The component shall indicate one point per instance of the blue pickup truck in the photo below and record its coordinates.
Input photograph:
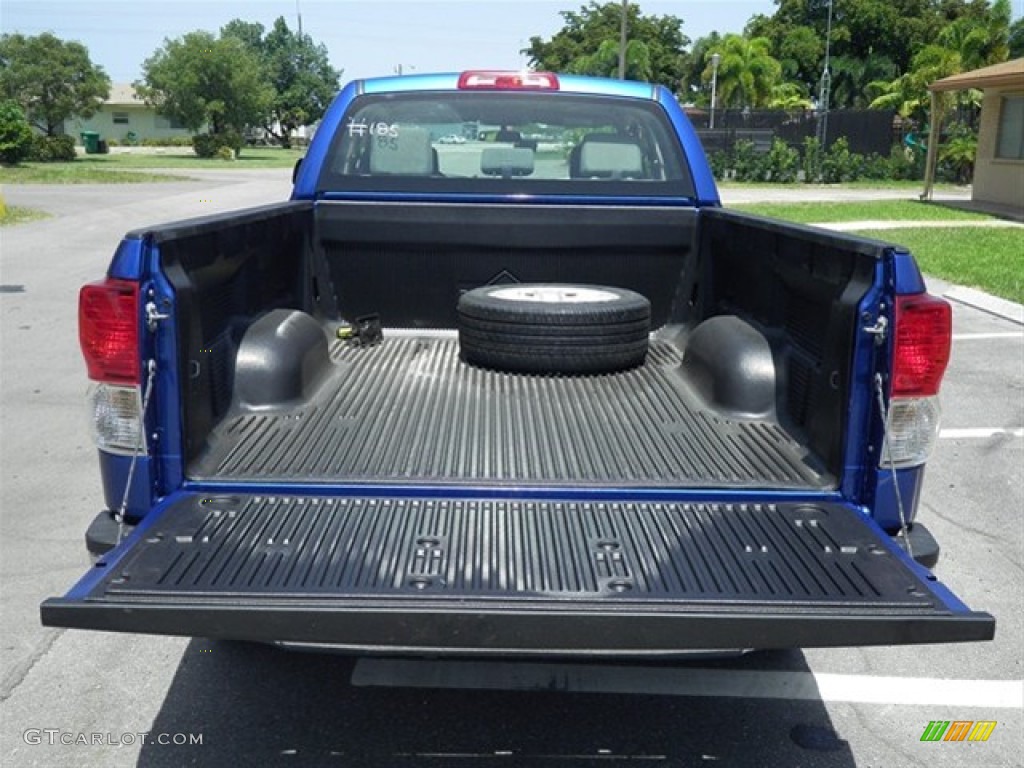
(503, 377)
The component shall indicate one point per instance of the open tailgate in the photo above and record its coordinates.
(463, 575)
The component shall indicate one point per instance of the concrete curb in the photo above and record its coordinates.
(972, 297)
(993, 305)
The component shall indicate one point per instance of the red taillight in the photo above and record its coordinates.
(502, 81)
(923, 335)
(108, 330)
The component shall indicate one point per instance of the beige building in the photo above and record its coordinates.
(999, 164)
(123, 113)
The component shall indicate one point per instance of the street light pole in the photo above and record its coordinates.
(715, 59)
(622, 40)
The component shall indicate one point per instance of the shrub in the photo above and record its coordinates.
(208, 144)
(958, 154)
(52, 149)
(747, 163)
(840, 164)
(782, 162)
(168, 141)
(226, 153)
(906, 164)
(15, 133)
(720, 164)
(812, 160)
(876, 167)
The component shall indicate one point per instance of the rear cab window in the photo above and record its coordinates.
(506, 144)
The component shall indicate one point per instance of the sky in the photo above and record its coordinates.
(365, 38)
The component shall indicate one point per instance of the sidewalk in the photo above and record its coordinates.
(853, 226)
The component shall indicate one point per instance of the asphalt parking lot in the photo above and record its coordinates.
(260, 706)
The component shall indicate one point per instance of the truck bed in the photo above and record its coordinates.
(409, 410)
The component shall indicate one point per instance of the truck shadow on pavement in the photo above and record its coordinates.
(257, 705)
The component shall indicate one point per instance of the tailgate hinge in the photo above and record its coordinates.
(879, 330)
(154, 315)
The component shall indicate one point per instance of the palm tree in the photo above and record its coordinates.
(980, 41)
(604, 62)
(851, 76)
(789, 96)
(747, 72)
(908, 94)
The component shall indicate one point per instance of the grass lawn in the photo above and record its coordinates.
(184, 157)
(76, 172)
(127, 168)
(874, 210)
(989, 259)
(14, 215)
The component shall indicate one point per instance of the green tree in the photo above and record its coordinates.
(1015, 39)
(201, 80)
(800, 53)
(590, 35)
(789, 96)
(303, 80)
(692, 86)
(748, 72)
(15, 133)
(980, 40)
(977, 36)
(52, 79)
(882, 34)
(851, 77)
(908, 93)
(605, 61)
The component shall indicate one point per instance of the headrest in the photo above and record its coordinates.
(506, 161)
(408, 154)
(610, 156)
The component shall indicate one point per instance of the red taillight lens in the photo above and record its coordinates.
(501, 81)
(108, 330)
(924, 333)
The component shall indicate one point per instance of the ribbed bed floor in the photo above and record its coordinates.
(409, 410)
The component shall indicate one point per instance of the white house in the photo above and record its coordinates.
(124, 116)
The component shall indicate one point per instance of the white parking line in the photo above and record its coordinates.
(980, 432)
(745, 684)
(985, 336)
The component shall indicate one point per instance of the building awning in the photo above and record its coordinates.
(1009, 74)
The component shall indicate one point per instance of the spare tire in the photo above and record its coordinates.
(554, 328)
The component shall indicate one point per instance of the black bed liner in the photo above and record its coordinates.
(478, 575)
(410, 410)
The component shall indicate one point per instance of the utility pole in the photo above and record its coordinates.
(622, 40)
(826, 83)
(298, 12)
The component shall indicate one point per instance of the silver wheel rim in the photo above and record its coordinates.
(554, 294)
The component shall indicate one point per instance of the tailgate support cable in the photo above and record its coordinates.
(886, 413)
(139, 448)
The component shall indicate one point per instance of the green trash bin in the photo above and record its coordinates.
(91, 142)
